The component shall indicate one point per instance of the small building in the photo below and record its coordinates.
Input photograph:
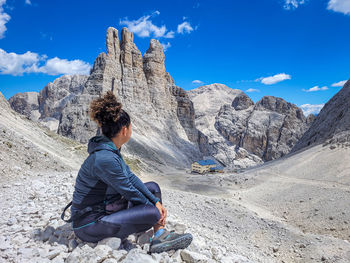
(203, 166)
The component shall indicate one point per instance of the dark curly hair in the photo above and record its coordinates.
(109, 115)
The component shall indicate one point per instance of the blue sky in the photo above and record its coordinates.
(294, 49)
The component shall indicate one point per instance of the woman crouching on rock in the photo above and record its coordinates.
(111, 201)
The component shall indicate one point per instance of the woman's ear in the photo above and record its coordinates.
(124, 130)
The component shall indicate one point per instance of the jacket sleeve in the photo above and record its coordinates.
(141, 186)
(110, 171)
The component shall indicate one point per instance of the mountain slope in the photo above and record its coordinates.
(25, 146)
(333, 121)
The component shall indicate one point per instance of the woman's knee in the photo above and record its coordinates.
(153, 186)
(152, 214)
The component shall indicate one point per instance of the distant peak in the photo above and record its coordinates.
(215, 87)
(242, 102)
(127, 37)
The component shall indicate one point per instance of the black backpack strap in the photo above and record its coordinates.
(64, 212)
(97, 208)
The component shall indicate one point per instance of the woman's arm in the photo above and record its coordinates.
(141, 186)
(110, 171)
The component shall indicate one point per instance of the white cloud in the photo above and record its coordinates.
(184, 27)
(197, 81)
(4, 18)
(28, 2)
(252, 90)
(293, 4)
(144, 27)
(339, 84)
(166, 46)
(274, 79)
(315, 88)
(311, 108)
(57, 66)
(342, 6)
(30, 62)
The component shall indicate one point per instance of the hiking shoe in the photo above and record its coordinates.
(169, 240)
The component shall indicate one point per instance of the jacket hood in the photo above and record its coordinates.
(102, 142)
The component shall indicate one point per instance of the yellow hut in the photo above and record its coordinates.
(203, 166)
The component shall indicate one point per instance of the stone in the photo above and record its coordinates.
(177, 255)
(47, 233)
(110, 260)
(144, 237)
(11, 221)
(137, 255)
(89, 254)
(119, 254)
(72, 244)
(101, 252)
(234, 258)
(161, 257)
(193, 257)
(112, 242)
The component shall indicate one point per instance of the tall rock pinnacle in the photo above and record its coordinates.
(160, 110)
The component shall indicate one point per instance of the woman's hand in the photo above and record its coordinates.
(163, 213)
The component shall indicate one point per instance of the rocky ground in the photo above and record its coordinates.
(291, 210)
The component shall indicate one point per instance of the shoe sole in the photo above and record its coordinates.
(179, 243)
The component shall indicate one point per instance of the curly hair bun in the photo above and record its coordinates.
(106, 109)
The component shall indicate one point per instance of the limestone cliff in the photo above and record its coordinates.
(269, 129)
(241, 133)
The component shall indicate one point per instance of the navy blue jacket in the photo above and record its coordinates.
(104, 170)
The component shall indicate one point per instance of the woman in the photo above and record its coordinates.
(111, 201)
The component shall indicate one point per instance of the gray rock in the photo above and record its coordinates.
(138, 255)
(88, 254)
(72, 244)
(112, 242)
(233, 258)
(119, 254)
(47, 233)
(161, 257)
(193, 257)
(144, 238)
(110, 260)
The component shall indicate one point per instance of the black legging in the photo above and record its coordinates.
(134, 219)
